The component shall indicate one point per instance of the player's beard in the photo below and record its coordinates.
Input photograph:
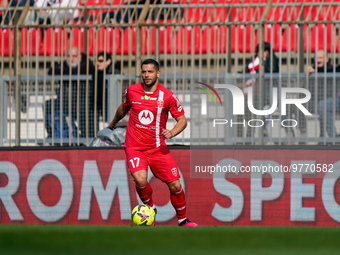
(151, 84)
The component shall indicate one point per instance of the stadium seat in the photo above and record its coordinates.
(97, 8)
(250, 13)
(312, 12)
(164, 41)
(109, 40)
(218, 13)
(31, 41)
(244, 37)
(219, 39)
(279, 14)
(93, 12)
(290, 37)
(271, 32)
(195, 13)
(282, 13)
(130, 37)
(184, 39)
(202, 38)
(196, 39)
(317, 36)
(77, 39)
(329, 12)
(6, 42)
(55, 42)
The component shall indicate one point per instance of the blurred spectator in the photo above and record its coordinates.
(325, 106)
(15, 4)
(0, 12)
(60, 11)
(253, 67)
(321, 56)
(75, 63)
(104, 67)
(132, 14)
(325, 110)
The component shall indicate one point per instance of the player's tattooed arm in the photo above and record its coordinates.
(178, 128)
(120, 113)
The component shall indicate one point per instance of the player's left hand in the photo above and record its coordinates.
(167, 134)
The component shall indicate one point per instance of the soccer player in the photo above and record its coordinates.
(149, 103)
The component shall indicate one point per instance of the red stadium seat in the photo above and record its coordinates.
(219, 13)
(93, 12)
(283, 13)
(290, 37)
(77, 39)
(250, 13)
(6, 42)
(97, 8)
(56, 42)
(202, 37)
(109, 40)
(195, 39)
(318, 34)
(195, 13)
(217, 35)
(219, 39)
(146, 42)
(164, 41)
(271, 32)
(312, 12)
(30, 41)
(329, 12)
(184, 39)
(245, 38)
(212, 35)
(130, 36)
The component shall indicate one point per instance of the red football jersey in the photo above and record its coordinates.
(148, 115)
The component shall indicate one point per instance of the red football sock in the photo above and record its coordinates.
(178, 201)
(145, 193)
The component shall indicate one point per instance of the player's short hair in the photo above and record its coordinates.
(151, 61)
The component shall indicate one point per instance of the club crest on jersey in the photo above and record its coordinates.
(160, 103)
(146, 97)
(174, 171)
(145, 117)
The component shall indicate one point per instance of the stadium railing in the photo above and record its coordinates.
(195, 38)
(37, 90)
(185, 25)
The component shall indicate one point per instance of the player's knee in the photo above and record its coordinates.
(140, 181)
(175, 185)
(140, 178)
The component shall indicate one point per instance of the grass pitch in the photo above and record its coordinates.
(58, 239)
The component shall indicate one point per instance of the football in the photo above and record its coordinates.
(143, 215)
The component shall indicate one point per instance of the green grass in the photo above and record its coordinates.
(58, 239)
